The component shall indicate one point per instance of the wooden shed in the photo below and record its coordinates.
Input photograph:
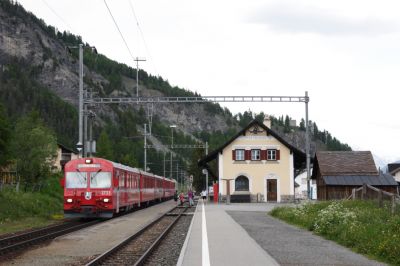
(338, 172)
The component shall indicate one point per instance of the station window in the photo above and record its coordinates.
(239, 155)
(273, 155)
(255, 155)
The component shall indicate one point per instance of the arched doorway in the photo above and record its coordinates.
(242, 183)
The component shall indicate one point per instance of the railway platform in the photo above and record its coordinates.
(216, 239)
(243, 234)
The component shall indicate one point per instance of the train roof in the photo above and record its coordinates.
(121, 166)
(124, 167)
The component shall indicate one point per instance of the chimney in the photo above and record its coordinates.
(267, 121)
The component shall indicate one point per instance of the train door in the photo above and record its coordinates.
(140, 188)
(117, 187)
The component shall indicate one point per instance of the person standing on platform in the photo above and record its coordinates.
(204, 195)
(190, 197)
(176, 195)
(181, 198)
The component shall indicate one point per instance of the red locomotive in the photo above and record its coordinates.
(95, 187)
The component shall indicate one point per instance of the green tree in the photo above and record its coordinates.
(33, 146)
(199, 180)
(105, 146)
(4, 136)
(287, 124)
(315, 130)
(303, 125)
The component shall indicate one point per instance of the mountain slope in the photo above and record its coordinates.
(38, 71)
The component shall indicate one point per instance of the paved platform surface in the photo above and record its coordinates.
(290, 245)
(78, 247)
(244, 234)
(228, 242)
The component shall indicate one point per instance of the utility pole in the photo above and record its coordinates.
(85, 127)
(137, 59)
(207, 171)
(177, 174)
(164, 163)
(307, 147)
(80, 144)
(172, 147)
(91, 142)
(145, 148)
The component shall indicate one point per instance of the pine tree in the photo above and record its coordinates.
(105, 147)
(303, 125)
(287, 124)
(199, 180)
(4, 136)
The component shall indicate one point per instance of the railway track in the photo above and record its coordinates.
(137, 248)
(22, 241)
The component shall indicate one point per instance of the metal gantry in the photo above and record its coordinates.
(178, 146)
(199, 99)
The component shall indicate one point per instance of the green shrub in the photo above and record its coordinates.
(20, 205)
(359, 225)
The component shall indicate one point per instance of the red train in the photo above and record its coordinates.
(95, 187)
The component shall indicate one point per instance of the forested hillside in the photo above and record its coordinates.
(39, 72)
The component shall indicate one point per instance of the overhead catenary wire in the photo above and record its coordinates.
(142, 36)
(120, 33)
(57, 15)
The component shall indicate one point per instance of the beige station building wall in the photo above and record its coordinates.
(258, 171)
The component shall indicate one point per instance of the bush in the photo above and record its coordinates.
(359, 225)
(20, 205)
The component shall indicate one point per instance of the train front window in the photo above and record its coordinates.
(76, 180)
(100, 180)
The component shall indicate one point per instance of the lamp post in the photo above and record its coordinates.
(172, 146)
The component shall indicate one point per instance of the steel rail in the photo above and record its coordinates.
(157, 242)
(110, 252)
(45, 236)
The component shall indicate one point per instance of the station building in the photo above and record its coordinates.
(257, 165)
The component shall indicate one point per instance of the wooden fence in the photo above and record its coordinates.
(12, 180)
(368, 192)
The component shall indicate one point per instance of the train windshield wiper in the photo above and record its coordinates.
(82, 178)
(93, 176)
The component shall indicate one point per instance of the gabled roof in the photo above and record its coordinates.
(340, 163)
(356, 180)
(393, 168)
(66, 148)
(299, 156)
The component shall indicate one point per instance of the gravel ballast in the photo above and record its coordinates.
(168, 252)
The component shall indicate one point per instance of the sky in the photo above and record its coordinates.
(346, 54)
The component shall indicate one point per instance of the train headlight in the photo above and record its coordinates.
(106, 200)
(88, 161)
(69, 200)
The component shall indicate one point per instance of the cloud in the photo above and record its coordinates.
(306, 19)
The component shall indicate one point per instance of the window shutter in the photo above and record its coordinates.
(234, 155)
(278, 155)
(247, 155)
(263, 154)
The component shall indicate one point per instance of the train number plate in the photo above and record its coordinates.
(106, 193)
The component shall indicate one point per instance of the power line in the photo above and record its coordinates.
(57, 15)
(120, 33)
(142, 35)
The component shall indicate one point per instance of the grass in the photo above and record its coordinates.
(25, 210)
(359, 225)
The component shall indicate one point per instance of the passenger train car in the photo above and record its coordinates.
(95, 187)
